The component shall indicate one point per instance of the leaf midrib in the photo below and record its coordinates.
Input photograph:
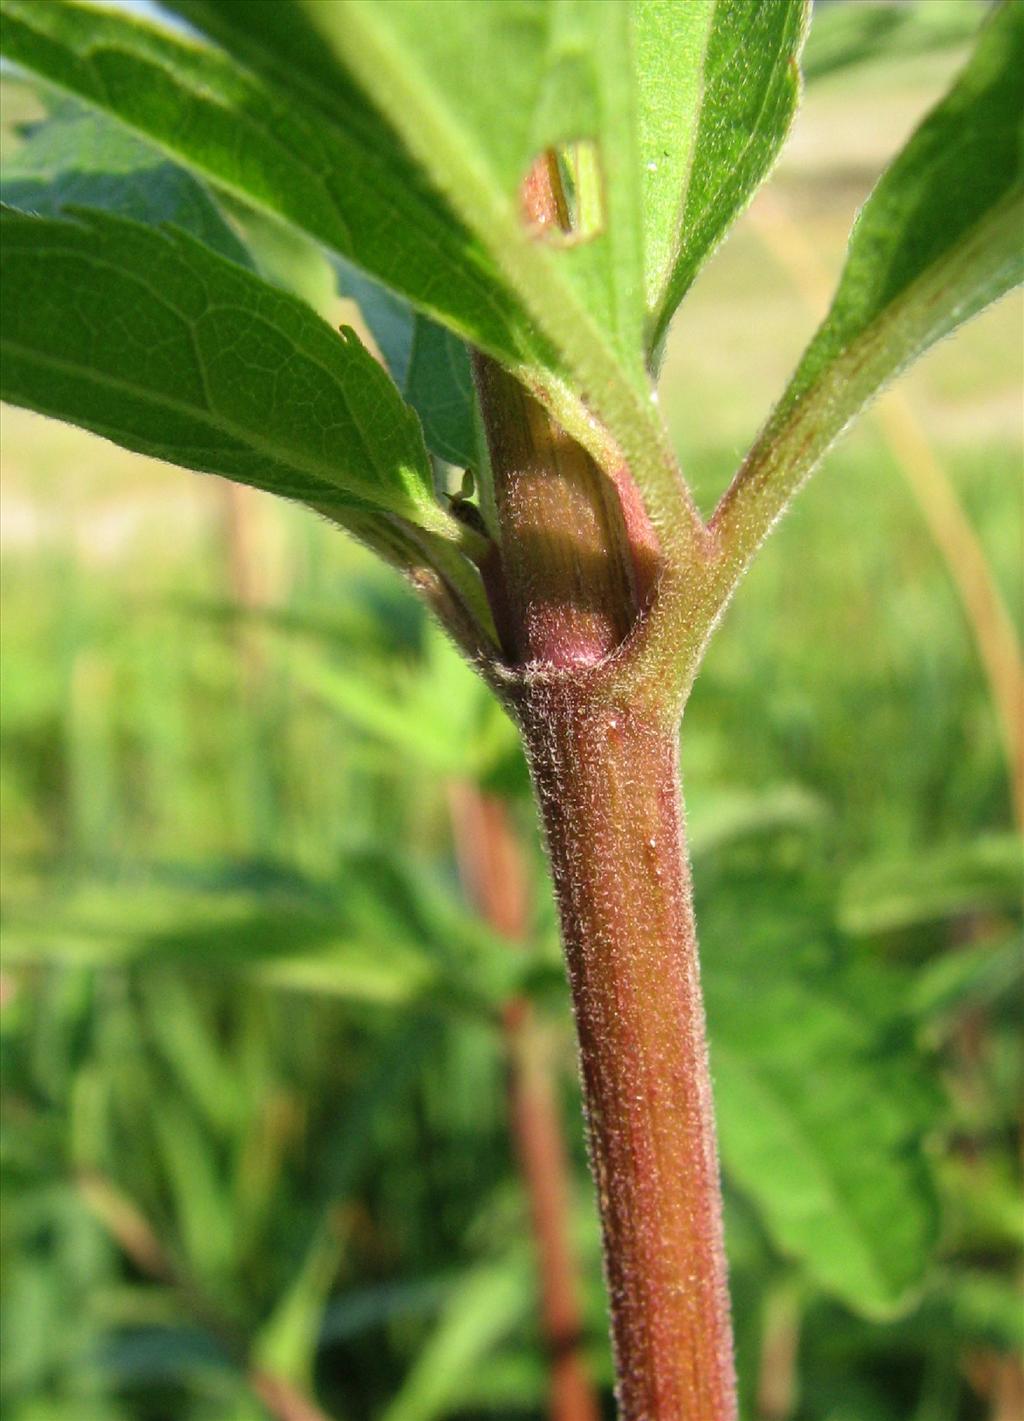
(657, 307)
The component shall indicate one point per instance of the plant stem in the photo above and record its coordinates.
(540, 1147)
(578, 571)
(495, 877)
(607, 780)
(570, 571)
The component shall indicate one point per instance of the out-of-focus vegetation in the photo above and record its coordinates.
(254, 1110)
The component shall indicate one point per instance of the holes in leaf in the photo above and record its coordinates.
(562, 194)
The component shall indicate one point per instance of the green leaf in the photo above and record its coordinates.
(963, 979)
(201, 1195)
(393, 936)
(285, 130)
(280, 940)
(718, 86)
(287, 1342)
(823, 1106)
(935, 884)
(940, 236)
(937, 241)
(80, 158)
(422, 191)
(483, 1309)
(439, 387)
(152, 340)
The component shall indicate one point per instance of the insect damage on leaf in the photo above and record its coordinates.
(562, 194)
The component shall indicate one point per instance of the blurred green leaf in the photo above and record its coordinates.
(968, 977)
(201, 1197)
(188, 1043)
(480, 1312)
(391, 936)
(730, 815)
(823, 1107)
(987, 1309)
(292, 945)
(843, 36)
(933, 885)
(155, 342)
(148, 1356)
(358, 1309)
(287, 1342)
(437, 714)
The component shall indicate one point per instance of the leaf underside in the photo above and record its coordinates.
(150, 339)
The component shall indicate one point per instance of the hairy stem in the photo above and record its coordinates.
(569, 569)
(607, 780)
(580, 564)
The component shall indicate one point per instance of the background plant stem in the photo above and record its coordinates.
(495, 879)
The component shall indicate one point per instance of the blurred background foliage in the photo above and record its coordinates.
(256, 1142)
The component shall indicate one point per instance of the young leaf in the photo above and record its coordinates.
(937, 241)
(152, 340)
(81, 158)
(718, 86)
